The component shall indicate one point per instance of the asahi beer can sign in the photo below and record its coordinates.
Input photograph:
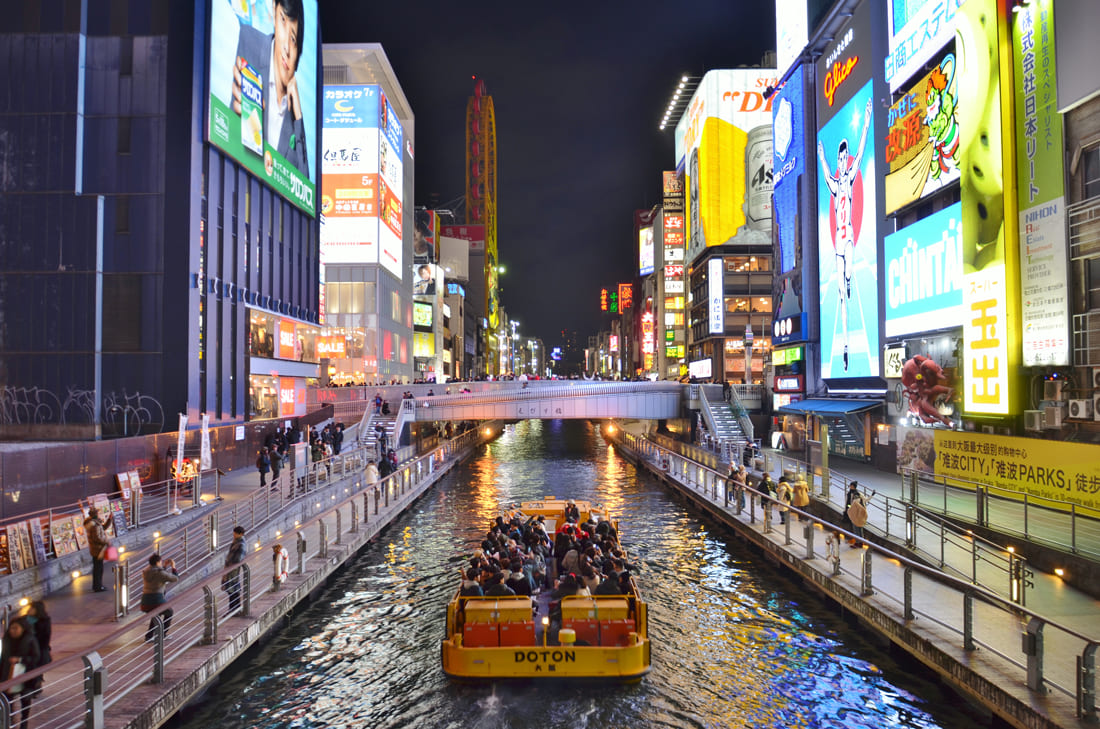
(758, 174)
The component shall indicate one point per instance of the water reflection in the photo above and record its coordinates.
(735, 643)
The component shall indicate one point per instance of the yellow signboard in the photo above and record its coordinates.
(1049, 469)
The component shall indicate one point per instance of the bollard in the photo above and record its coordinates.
(808, 535)
(787, 528)
(1033, 649)
(323, 528)
(907, 590)
(122, 589)
(865, 582)
(354, 518)
(209, 616)
(752, 507)
(212, 532)
(339, 524)
(246, 591)
(95, 684)
(766, 505)
(968, 622)
(1086, 684)
(301, 554)
(158, 649)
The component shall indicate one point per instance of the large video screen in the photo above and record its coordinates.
(263, 91)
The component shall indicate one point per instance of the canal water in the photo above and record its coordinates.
(735, 643)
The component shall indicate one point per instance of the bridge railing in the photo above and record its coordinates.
(77, 690)
(1051, 655)
(566, 389)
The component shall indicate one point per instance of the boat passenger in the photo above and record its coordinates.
(609, 585)
(497, 588)
(519, 583)
(470, 586)
(589, 578)
(572, 512)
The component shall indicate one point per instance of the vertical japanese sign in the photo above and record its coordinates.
(990, 341)
(350, 194)
(1039, 180)
(182, 439)
(716, 313)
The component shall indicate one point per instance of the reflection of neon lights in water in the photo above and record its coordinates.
(735, 643)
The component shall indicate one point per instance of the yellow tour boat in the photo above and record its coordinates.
(599, 636)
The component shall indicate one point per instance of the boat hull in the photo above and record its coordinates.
(621, 663)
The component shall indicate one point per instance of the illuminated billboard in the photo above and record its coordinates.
(727, 123)
(924, 274)
(922, 137)
(990, 334)
(626, 296)
(788, 148)
(423, 344)
(917, 30)
(266, 118)
(645, 251)
(425, 279)
(349, 187)
(390, 187)
(425, 237)
(846, 205)
(422, 314)
(1040, 175)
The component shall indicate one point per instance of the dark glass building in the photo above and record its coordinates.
(146, 272)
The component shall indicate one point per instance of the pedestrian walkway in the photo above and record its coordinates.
(970, 636)
(74, 608)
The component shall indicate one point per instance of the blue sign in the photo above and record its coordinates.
(924, 274)
(788, 145)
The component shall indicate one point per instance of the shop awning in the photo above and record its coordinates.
(828, 407)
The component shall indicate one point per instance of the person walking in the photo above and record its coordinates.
(20, 653)
(263, 465)
(800, 496)
(231, 582)
(783, 498)
(337, 439)
(38, 619)
(276, 467)
(371, 472)
(98, 543)
(855, 512)
(154, 580)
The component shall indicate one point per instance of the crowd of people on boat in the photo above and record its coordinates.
(520, 557)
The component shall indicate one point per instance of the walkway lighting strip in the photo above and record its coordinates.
(680, 97)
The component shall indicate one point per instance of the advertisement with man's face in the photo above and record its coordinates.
(846, 205)
(263, 91)
(426, 237)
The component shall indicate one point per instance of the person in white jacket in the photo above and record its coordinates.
(371, 472)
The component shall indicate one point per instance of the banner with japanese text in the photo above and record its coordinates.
(1039, 179)
(1049, 469)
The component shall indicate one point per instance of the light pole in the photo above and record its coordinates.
(512, 346)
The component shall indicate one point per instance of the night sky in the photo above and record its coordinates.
(579, 89)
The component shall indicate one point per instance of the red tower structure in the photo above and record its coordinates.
(481, 199)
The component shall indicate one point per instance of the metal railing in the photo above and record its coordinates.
(941, 543)
(567, 389)
(1051, 655)
(1058, 524)
(78, 690)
